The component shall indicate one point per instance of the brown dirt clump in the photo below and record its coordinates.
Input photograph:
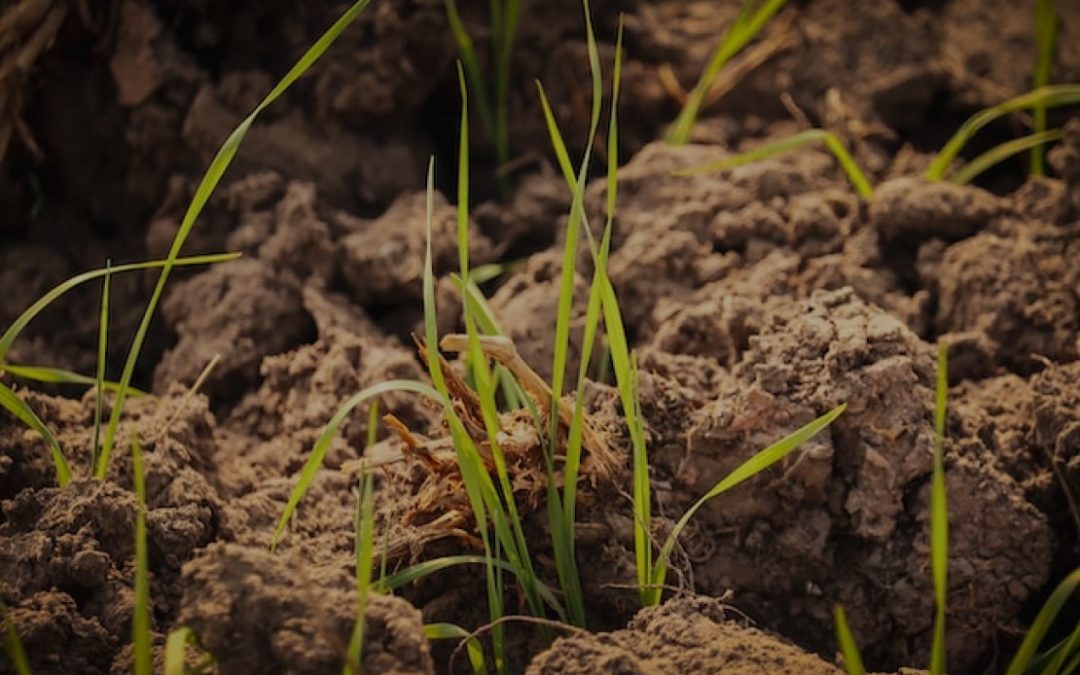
(263, 613)
(690, 635)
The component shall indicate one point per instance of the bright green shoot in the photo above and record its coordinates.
(853, 663)
(103, 350)
(751, 19)
(206, 187)
(802, 139)
(13, 644)
(1026, 656)
(11, 402)
(365, 547)
(1045, 35)
(450, 631)
(1052, 96)
(176, 645)
(939, 514)
(1000, 153)
(494, 112)
(748, 469)
(140, 622)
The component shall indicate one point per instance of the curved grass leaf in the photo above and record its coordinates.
(13, 645)
(176, 650)
(17, 326)
(449, 631)
(1000, 153)
(206, 187)
(751, 19)
(140, 621)
(426, 568)
(1045, 35)
(939, 514)
(748, 469)
(1043, 621)
(853, 663)
(318, 453)
(1053, 96)
(10, 401)
(49, 375)
(802, 139)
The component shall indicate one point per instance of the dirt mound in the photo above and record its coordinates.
(690, 635)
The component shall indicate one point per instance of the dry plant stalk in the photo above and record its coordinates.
(438, 507)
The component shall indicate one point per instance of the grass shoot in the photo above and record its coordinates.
(939, 514)
(802, 139)
(365, 547)
(206, 186)
(176, 646)
(450, 631)
(1045, 36)
(1051, 96)
(751, 19)
(853, 663)
(103, 350)
(1000, 153)
(13, 644)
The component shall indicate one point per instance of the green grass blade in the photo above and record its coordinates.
(206, 187)
(1043, 621)
(1045, 35)
(426, 568)
(13, 645)
(103, 350)
(802, 139)
(449, 631)
(49, 375)
(471, 61)
(1000, 153)
(1068, 647)
(749, 23)
(1052, 96)
(17, 326)
(176, 645)
(318, 452)
(504, 54)
(365, 548)
(140, 621)
(939, 514)
(10, 401)
(853, 664)
(748, 469)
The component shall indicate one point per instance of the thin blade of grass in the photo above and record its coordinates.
(748, 469)
(17, 326)
(103, 350)
(318, 452)
(1000, 153)
(939, 514)
(10, 401)
(748, 24)
(1043, 621)
(471, 61)
(1068, 648)
(1052, 96)
(853, 663)
(140, 621)
(504, 54)
(13, 644)
(209, 182)
(855, 175)
(1045, 35)
(450, 631)
(506, 508)
(50, 375)
(176, 644)
(365, 548)
(426, 568)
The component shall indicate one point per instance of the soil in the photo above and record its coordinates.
(755, 299)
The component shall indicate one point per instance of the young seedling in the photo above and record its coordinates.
(853, 664)
(800, 140)
(206, 186)
(13, 644)
(1045, 35)
(365, 547)
(939, 514)
(449, 631)
(751, 19)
